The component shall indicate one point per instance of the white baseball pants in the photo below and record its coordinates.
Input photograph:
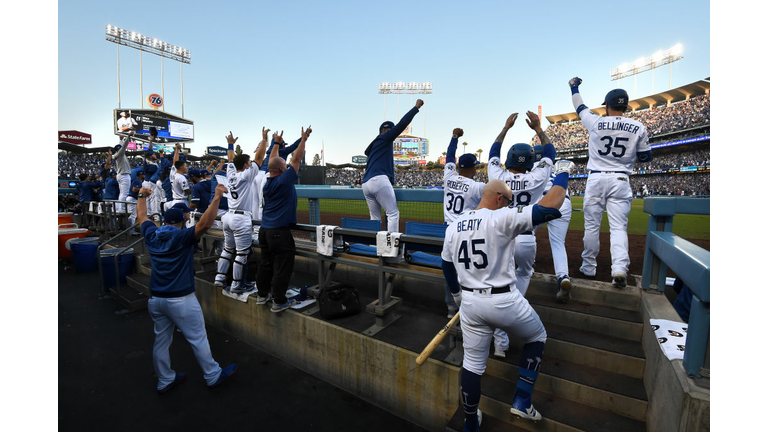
(481, 314)
(124, 182)
(557, 229)
(525, 257)
(238, 238)
(609, 192)
(186, 314)
(379, 193)
(132, 210)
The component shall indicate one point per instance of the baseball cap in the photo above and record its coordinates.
(113, 172)
(182, 207)
(139, 172)
(387, 124)
(173, 216)
(194, 173)
(468, 160)
(204, 173)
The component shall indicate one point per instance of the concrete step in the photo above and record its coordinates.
(560, 414)
(589, 291)
(139, 282)
(130, 297)
(553, 314)
(589, 385)
(489, 424)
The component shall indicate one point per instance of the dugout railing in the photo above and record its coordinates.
(665, 250)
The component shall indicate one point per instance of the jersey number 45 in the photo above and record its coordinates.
(465, 258)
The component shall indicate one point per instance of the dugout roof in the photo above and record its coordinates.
(664, 98)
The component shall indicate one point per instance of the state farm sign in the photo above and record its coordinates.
(74, 137)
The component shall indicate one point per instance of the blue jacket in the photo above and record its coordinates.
(112, 189)
(171, 252)
(380, 157)
(283, 152)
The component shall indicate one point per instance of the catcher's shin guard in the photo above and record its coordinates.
(227, 256)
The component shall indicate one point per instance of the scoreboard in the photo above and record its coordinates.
(410, 147)
(170, 128)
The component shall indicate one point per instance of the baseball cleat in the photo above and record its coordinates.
(225, 373)
(499, 353)
(263, 300)
(281, 307)
(586, 273)
(564, 289)
(218, 284)
(620, 280)
(479, 420)
(523, 408)
(238, 289)
(177, 380)
(250, 286)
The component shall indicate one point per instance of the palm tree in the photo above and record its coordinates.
(479, 153)
(465, 144)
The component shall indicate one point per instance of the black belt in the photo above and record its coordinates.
(609, 172)
(238, 212)
(501, 290)
(527, 233)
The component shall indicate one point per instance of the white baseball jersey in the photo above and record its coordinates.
(480, 244)
(240, 186)
(527, 188)
(460, 193)
(178, 185)
(126, 122)
(613, 141)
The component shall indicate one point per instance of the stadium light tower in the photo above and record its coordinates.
(151, 45)
(644, 64)
(399, 88)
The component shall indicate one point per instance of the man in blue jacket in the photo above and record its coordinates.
(380, 170)
(173, 303)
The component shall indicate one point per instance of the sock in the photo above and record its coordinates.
(530, 362)
(470, 396)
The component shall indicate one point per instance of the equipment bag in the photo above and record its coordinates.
(339, 301)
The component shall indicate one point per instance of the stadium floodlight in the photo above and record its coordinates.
(644, 64)
(144, 43)
(405, 88)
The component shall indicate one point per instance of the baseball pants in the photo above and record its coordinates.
(379, 193)
(525, 257)
(276, 265)
(132, 210)
(238, 238)
(609, 192)
(481, 314)
(557, 229)
(258, 194)
(186, 314)
(124, 182)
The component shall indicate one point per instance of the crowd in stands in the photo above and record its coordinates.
(71, 166)
(658, 121)
(694, 184)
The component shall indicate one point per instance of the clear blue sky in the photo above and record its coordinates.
(288, 64)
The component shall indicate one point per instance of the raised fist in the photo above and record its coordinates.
(564, 166)
(419, 103)
(458, 132)
(574, 82)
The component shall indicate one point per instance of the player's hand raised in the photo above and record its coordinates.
(145, 191)
(459, 132)
(574, 82)
(511, 121)
(278, 138)
(264, 133)
(305, 133)
(533, 121)
(230, 139)
(419, 103)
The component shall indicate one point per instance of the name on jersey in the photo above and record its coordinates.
(457, 185)
(626, 127)
(517, 184)
(468, 225)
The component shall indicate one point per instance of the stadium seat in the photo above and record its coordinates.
(361, 245)
(423, 254)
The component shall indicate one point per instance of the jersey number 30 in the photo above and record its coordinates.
(612, 143)
(455, 203)
(465, 259)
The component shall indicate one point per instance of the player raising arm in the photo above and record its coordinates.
(478, 248)
(615, 143)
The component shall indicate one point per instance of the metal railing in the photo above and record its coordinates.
(664, 250)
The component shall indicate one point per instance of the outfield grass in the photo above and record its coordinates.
(686, 226)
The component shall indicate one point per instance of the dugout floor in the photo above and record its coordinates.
(106, 380)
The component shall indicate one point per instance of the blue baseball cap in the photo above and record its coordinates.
(182, 207)
(468, 160)
(113, 172)
(387, 124)
(194, 173)
(174, 216)
(140, 172)
(204, 173)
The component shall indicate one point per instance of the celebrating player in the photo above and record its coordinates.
(615, 143)
(460, 193)
(179, 186)
(479, 246)
(380, 171)
(277, 246)
(123, 168)
(261, 177)
(238, 221)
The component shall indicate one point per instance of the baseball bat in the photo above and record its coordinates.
(436, 341)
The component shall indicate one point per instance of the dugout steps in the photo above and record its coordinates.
(591, 377)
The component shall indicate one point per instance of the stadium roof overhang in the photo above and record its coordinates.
(664, 98)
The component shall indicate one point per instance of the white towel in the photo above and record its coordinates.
(90, 209)
(671, 336)
(326, 240)
(387, 243)
(100, 208)
(223, 180)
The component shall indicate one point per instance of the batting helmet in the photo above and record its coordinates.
(617, 99)
(520, 156)
(538, 149)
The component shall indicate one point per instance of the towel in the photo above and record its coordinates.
(387, 244)
(223, 180)
(671, 336)
(326, 240)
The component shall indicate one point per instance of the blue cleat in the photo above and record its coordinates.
(179, 378)
(225, 373)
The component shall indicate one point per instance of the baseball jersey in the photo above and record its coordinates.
(527, 188)
(171, 252)
(135, 183)
(178, 185)
(379, 151)
(480, 244)
(239, 185)
(613, 141)
(201, 195)
(460, 194)
(112, 189)
(126, 122)
(85, 191)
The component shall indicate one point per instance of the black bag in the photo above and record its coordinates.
(339, 301)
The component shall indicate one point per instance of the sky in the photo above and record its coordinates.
(284, 65)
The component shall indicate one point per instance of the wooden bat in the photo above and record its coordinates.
(436, 341)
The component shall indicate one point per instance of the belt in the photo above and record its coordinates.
(241, 212)
(609, 172)
(501, 290)
(527, 233)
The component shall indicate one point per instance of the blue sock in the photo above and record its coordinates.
(470, 396)
(530, 362)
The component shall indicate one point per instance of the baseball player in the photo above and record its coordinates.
(123, 168)
(460, 193)
(179, 186)
(126, 124)
(261, 177)
(557, 230)
(380, 170)
(477, 252)
(238, 221)
(615, 143)
(150, 182)
(527, 183)
(132, 197)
